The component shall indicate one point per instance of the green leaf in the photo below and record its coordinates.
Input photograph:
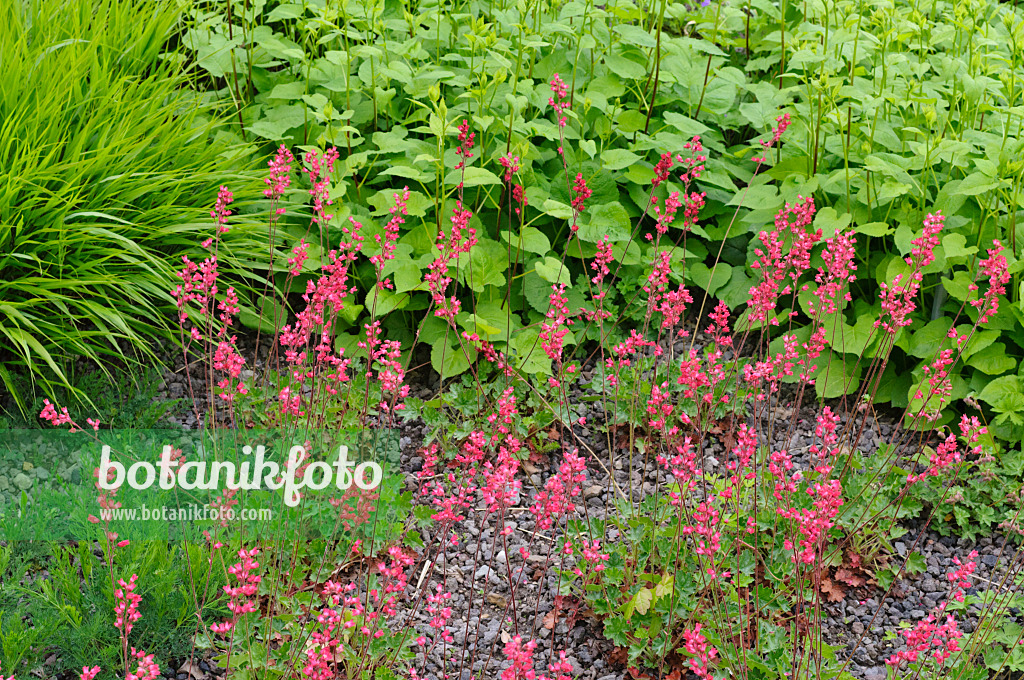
(630, 121)
(853, 339)
(956, 249)
(737, 291)
(634, 35)
(873, 229)
(641, 603)
(977, 183)
(617, 159)
(916, 564)
(450, 360)
(839, 376)
(624, 68)
(664, 586)
(609, 220)
(474, 177)
(702, 275)
(291, 91)
(553, 271)
(924, 343)
(488, 261)
(381, 301)
(384, 200)
(558, 210)
(530, 357)
(830, 222)
(1003, 394)
(530, 239)
(959, 286)
(992, 360)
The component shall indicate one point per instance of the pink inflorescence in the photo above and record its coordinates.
(280, 176)
(559, 101)
(127, 608)
(242, 594)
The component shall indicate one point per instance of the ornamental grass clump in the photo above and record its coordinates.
(715, 543)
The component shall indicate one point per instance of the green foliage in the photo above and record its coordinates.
(118, 399)
(57, 599)
(898, 111)
(109, 170)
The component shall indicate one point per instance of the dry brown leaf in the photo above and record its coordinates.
(497, 600)
(550, 619)
(849, 578)
(193, 670)
(832, 590)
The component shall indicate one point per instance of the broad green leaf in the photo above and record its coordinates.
(956, 248)
(839, 376)
(664, 586)
(609, 220)
(381, 301)
(290, 91)
(634, 35)
(474, 177)
(873, 229)
(830, 222)
(530, 239)
(1003, 394)
(623, 67)
(925, 342)
(737, 291)
(710, 281)
(451, 360)
(993, 360)
(488, 261)
(617, 159)
(558, 210)
(553, 271)
(529, 355)
(977, 183)
(959, 286)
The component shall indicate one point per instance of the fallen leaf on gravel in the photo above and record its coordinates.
(618, 656)
(849, 578)
(497, 600)
(832, 590)
(505, 637)
(550, 619)
(193, 670)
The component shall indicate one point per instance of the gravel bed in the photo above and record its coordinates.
(478, 569)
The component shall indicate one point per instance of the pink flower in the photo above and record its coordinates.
(89, 673)
(243, 593)
(49, 414)
(521, 656)
(147, 668)
(696, 645)
(779, 261)
(280, 176)
(994, 267)
(581, 194)
(127, 608)
(561, 92)
(320, 166)
(465, 146)
(554, 330)
(220, 212)
(298, 258)
(556, 500)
